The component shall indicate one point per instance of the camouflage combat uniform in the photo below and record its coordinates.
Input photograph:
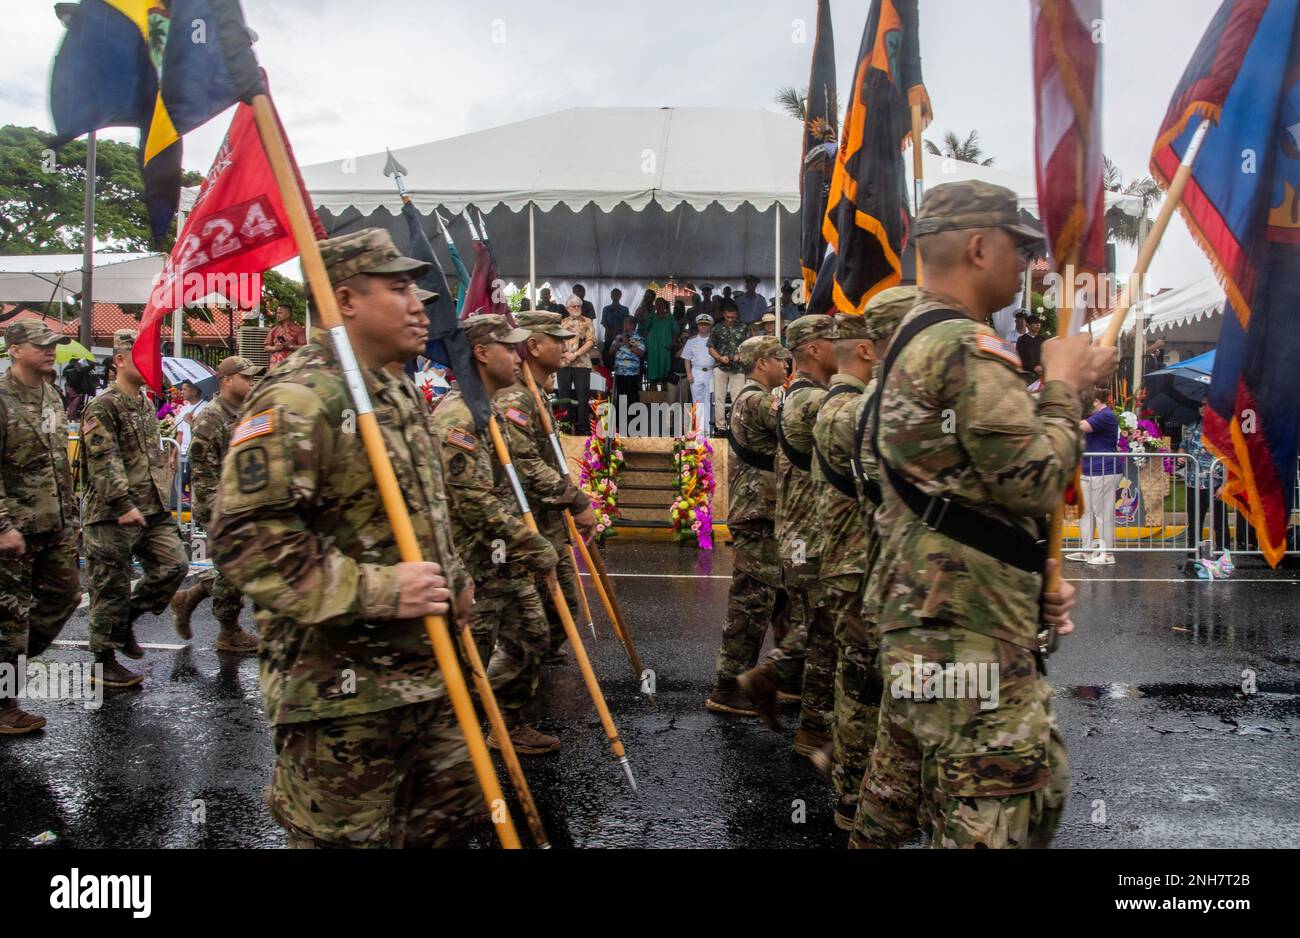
(208, 448)
(547, 490)
(40, 589)
(123, 467)
(809, 643)
(502, 556)
(990, 777)
(757, 598)
(368, 753)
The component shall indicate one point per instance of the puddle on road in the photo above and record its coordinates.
(1278, 691)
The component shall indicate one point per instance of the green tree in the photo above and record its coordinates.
(793, 101)
(42, 195)
(277, 289)
(1119, 224)
(967, 151)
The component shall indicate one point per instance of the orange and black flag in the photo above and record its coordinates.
(867, 221)
(120, 65)
(821, 126)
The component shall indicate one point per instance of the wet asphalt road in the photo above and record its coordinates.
(1162, 739)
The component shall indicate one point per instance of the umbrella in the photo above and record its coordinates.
(1175, 393)
(177, 370)
(73, 349)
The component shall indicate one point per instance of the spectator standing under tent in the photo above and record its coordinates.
(573, 381)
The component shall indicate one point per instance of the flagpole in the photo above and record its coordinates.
(776, 302)
(277, 153)
(918, 182)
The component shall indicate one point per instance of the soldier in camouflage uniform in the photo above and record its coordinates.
(972, 466)
(810, 642)
(547, 490)
(124, 514)
(208, 448)
(502, 555)
(368, 753)
(845, 513)
(757, 597)
(39, 582)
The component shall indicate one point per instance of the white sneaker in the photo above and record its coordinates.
(1078, 555)
(1102, 560)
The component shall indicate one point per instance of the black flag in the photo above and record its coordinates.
(821, 126)
(447, 344)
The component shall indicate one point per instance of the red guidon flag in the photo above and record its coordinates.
(237, 229)
(1067, 105)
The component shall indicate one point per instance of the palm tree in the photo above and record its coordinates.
(967, 151)
(1119, 224)
(793, 101)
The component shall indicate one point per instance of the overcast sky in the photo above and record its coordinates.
(351, 78)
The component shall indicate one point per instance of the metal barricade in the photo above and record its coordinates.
(1227, 529)
(1153, 505)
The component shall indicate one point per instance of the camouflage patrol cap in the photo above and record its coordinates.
(809, 328)
(486, 328)
(852, 326)
(235, 365)
(539, 320)
(886, 310)
(953, 206)
(33, 332)
(123, 341)
(760, 346)
(369, 251)
(426, 296)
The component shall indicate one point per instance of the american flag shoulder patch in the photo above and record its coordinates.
(518, 417)
(998, 348)
(462, 440)
(258, 424)
(89, 425)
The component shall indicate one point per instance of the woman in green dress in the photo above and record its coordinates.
(660, 331)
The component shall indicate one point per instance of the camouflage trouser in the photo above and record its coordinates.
(109, 548)
(811, 643)
(227, 600)
(38, 592)
(556, 533)
(396, 778)
(857, 691)
(757, 600)
(984, 777)
(511, 633)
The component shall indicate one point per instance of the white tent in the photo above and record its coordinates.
(44, 278)
(1192, 313)
(617, 193)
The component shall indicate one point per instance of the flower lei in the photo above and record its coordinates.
(1141, 436)
(693, 506)
(602, 461)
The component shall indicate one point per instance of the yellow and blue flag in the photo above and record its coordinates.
(120, 65)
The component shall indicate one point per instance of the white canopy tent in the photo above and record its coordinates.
(613, 194)
(51, 278)
(1193, 312)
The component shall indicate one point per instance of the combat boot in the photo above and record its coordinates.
(183, 605)
(760, 685)
(810, 742)
(822, 759)
(526, 740)
(730, 701)
(14, 720)
(130, 647)
(114, 674)
(557, 655)
(234, 639)
(846, 809)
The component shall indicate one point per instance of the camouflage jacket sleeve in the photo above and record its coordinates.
(261, 538)
(1025, 452)
(527, 442)
(5, 522)
(105, 471)
(205, 463)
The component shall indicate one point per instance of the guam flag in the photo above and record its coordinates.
(1243, 205)
(121, 64)
(867, 221)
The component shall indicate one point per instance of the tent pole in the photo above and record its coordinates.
(532, 262)
(776, 300)
(178, 313)
(1139, 318)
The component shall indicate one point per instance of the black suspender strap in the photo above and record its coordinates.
(842, 483)
(943, 515)
(870, 487)
(763, 461)
(801, 460)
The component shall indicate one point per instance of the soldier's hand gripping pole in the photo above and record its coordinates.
(268, 128)
(602, 582)
(562, 607)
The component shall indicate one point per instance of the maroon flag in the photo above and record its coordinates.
(237, 229)
(485, 293)
(1067, 107)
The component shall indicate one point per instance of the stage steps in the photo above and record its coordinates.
(646, 489)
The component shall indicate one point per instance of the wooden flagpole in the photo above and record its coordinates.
(268, 128)
(918, 179)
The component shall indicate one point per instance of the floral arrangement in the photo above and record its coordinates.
(1142, 436)
(602, 461)
(692, 509)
